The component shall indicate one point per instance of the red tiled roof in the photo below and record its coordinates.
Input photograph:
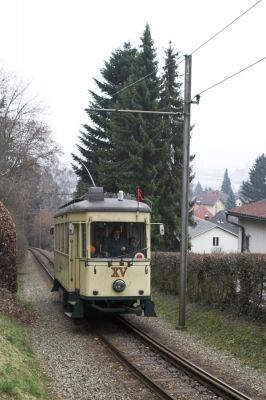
(209, 198)
(255, 210)
(201, 212)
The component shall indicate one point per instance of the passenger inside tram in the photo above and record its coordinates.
(113, 240)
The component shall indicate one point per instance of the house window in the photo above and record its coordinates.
(215, 241)
(246, 242)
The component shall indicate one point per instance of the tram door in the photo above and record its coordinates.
(74, 254)
(78, 252)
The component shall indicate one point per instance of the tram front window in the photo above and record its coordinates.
(112, 239)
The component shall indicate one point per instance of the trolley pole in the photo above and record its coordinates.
(185, 201)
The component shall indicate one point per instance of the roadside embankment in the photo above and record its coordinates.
(20, 376)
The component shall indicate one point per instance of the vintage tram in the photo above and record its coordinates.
(102, 252)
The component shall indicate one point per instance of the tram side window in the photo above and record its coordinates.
(83, 233)
(59, 237)
(62, 237)
(66, 238)
(77, 242)
(55, 237)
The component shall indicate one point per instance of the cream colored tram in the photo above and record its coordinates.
(86, 271)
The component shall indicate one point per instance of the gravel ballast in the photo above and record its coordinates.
(242, 377)
(82, 368)
(77, 361)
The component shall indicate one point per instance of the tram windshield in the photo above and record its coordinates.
(113, 239)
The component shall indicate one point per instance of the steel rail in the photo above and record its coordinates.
(214, 384)
(137, 372)
(203, 377)
(35, 253)
(43, 253)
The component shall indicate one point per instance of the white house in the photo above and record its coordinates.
(208, 237)
(252, 222)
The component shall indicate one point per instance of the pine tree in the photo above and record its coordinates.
(137, 153)
(139, 150)
(172, 133)
(95, 140)
(226, 185)
(198, 189)
(231, 201)
(255, 188)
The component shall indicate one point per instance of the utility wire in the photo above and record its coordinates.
(141, 79)
(193, 52)
(229, 77)
(223, 29)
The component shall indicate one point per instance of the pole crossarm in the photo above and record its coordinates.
(177, 114)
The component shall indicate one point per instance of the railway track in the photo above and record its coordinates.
(204, 378)
(166, 373)
(163, 386)
(39, 255)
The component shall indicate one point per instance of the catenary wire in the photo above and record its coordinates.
(193, 52)
(224, 28)
(141, 79)
(229, 77)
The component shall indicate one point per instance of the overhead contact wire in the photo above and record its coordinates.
(194, 51)
(227, 26)
(229, 77)
(140, 80)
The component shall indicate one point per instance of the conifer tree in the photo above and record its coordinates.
(255, 188)
(198, 189)
(171, 176)
(226, 185)
(137, 151)
(126, 151)
(231, 201)
(94, 137)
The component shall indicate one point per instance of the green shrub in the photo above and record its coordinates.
(8, 268)
(236, 281)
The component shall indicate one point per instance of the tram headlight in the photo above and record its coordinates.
(119, 285)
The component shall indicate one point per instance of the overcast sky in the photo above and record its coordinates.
(59, 46)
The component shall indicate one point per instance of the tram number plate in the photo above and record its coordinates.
(118, 272)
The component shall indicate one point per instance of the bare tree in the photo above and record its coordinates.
(27, 151)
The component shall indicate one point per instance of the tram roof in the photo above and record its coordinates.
(106, 205)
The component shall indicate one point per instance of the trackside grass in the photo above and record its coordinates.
(20, 377)
(241, 338)
(20, 294)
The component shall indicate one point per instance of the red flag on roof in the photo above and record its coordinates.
(139, 194)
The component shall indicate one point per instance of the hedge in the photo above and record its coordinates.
(235, 281)
(8, 268)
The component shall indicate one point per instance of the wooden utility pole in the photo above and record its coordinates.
(185, 200)
(185, 182)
